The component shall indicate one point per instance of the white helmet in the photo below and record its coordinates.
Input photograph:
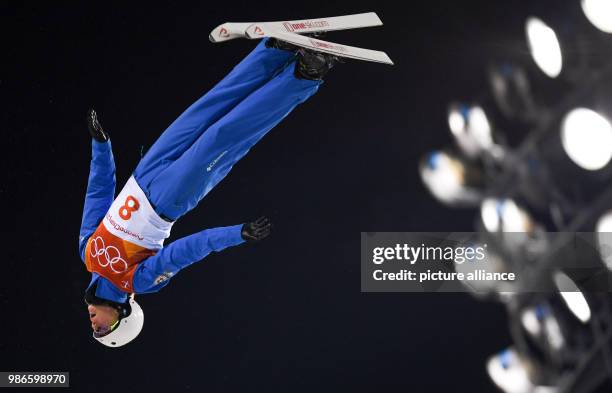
(128, 327)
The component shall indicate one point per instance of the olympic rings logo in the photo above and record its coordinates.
(111, 254)
(131, 205)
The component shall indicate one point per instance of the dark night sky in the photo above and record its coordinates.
(284, 315)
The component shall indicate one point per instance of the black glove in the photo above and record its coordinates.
(95, 128)
(257, 230)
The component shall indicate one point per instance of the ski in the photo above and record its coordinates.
(260, 30)
(229, 31)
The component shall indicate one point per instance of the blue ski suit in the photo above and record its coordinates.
(191, 156)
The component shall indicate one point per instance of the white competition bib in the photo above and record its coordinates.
(132, 218)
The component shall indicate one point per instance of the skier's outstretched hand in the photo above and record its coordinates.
(256, 230)
(95, 128)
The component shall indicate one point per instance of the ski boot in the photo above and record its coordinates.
(313, 65)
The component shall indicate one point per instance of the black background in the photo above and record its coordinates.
(283, 315)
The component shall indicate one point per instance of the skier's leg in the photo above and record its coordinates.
(180, 187)
(250, 74)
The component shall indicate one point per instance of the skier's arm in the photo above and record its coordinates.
(101, 183)
(157, 269)
(182, 253)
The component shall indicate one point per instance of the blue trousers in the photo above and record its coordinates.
(201, 146)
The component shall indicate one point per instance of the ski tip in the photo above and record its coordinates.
(387, 62)
(385, 59)
(221, 33)
(214, 33)
(379, 21)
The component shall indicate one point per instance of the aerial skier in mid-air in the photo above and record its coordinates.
(121, 239)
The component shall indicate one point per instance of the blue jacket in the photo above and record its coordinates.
(154, 272)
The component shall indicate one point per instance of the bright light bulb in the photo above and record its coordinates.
(514, 219)
(444, 176)
(605, 223)
(544, 47)
(599, 13)
(456, 122)
(490, 215)
(586, 137)
(573, 298)
(480, 127)
(531, 322)
(604, 238)
(554, 336)
(509, 373)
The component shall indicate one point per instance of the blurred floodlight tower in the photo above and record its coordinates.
(586, 137)
(553, 332)
(599, 13)
(544, 46)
